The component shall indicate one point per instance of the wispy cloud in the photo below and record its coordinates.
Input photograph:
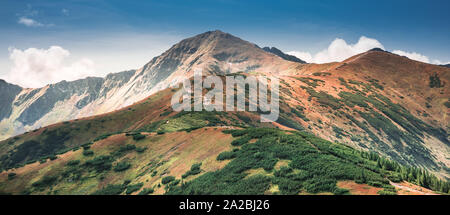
(29, 22)
(29, 18)
(65, 11)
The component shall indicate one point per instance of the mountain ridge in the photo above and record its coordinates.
(213, 51)
(283, 55)
(376, 100)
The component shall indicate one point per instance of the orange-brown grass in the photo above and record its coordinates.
(175, 152)
(406, 188)
(358, 189)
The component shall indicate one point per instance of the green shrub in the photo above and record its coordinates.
(146, 191)
(165, 113)
(100, 163)
(375, 184)
(88, 152)
(141, 149)
(324, 99)
(321, 74)
(435, 82)
(447, 104)
(45, 181)
(173, 183)
(286, 121)
(288, 186)
(339, 132)
(122, 166)
(11, 175)
(310, 81)
(298, 111)
(86, 146)
(195, 169)
(167, 179)
(384, 192)
(226, 156)
(340, 191)
(394, 177)
(240, 141)
(138, 136)
(283, 172)
(43, 160)
(131, 188)
(73, 162)
(127, 147)
(376, 84)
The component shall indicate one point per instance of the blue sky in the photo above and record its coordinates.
(117, 35)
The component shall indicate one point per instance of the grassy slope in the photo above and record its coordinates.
(256, 161)
(376, 101)
(63, 136)
(167, 154)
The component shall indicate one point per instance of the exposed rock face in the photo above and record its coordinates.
(214, 52)
(283, 55)
(7, 94)
(25, 109)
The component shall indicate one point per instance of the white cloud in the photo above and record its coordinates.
(413, 56)
(32, 23)
(438, 62)
(28, 18)
(305, 56)
(37, 67)
(339, 50)
(29, 22)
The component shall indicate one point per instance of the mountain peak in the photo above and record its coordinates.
(215, 37)
(377, 50)
(217, 33)
(216, 52)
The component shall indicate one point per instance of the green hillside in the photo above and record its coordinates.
(212, 160)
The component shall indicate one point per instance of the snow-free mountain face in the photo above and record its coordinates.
(214, 52)
(7, 96)
(375, 101)
(24, 109)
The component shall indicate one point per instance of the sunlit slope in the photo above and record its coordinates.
(214, 160)
(376, 101)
